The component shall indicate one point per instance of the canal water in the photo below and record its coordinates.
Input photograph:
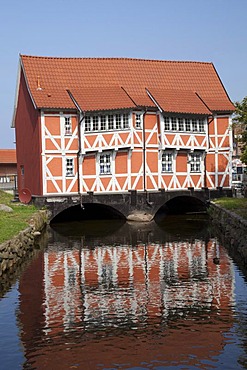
(113, 295)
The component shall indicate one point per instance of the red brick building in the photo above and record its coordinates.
(8, 167)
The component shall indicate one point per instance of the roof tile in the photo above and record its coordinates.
(7, 156)
(179, 101)
(54, 75)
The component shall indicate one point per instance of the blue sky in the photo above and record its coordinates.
(199, 30)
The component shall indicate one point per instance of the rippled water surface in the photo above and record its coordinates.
(111, 295)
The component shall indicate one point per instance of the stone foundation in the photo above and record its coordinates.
(15, 250)
(233, 231)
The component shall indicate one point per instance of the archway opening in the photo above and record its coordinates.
(181, 205)
(183, 215)
(88, 211)
(90, 219)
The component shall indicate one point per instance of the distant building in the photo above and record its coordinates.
(116, 124)
(239, 169)
(8, 168)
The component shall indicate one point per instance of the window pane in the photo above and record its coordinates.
(167, 123)
(110, 122)
(194, 125)
(87, 123)
(180, 124)
(195, 162)
(125, 121)
(118, 121)
(187, 124)
(69, 167)
(201, 125)
(174, 124)
(138, 120)
(105, 164)
(102, 122)
(68, 126)
(166, 162)
(95, 123)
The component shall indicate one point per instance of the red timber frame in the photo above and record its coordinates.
(141, 153)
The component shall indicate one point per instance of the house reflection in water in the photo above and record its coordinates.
(120, 306)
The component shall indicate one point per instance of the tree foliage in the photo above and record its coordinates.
(240, 122)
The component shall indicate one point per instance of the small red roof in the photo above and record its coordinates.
(7, 156)
(102, 98)
(179, 101)
(97, 82)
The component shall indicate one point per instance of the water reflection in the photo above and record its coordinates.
(139, 296)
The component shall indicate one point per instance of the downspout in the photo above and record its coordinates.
(144, 150)
(80, 120)
(81, 117)
(205, 169)
(144, 144)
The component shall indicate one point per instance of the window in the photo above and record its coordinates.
(174, 124)
(166, 161)
(102, 123)
(95, 123)
(125, 120)
(69, 167)
(105, 164)
(87, 123)
(195, 162)
(105, 122)
(138, 120)
(201, 125)
(67, 126)
(184, 124)
(187, 124)
(194, 125)
(118, 121)
(180, 124)
(110, 122)
(167, 123)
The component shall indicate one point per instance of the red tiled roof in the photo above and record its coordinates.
(179, 101)
(55, 75)
(7, 156)
(102, 98)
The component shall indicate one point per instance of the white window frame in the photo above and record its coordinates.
(167, 161)
(69, 167)
(67, 125)
(138, 120)
(87, 124)
(195, 161)
(107, 122)
(184, 124)
(105, 163)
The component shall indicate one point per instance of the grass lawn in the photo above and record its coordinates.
(236, 205)
(13, 222)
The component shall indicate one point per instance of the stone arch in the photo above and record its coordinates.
(87, 211)
(181, 204)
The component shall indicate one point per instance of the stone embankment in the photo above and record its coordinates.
(14, 251)
(233, 230)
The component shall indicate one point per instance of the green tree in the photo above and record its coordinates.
(240, 123)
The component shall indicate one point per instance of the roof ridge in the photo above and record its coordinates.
(116, 58)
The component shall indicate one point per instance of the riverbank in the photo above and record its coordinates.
(236, 205)
(14, 217)
(229, 217)
(20, 230)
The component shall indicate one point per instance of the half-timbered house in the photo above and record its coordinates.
(116, 124)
